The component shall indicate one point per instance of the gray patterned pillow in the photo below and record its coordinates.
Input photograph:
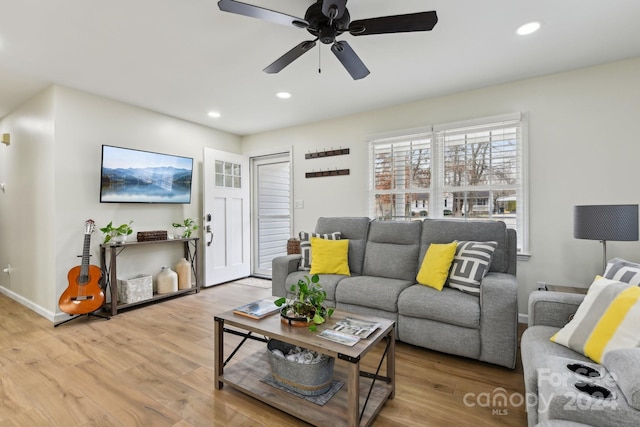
(305, 246)
(623, 271)
(470, 264)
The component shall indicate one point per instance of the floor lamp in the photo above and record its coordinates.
(605, 222)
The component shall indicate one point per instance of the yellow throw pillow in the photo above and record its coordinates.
(606, 320)
(436, 264)
(330, 256)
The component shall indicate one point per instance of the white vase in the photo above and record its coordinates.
(183, 268)
(167, 281)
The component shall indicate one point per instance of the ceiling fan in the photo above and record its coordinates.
(326, 20)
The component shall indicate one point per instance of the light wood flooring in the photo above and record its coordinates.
(153, 366)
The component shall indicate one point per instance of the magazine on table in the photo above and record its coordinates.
(257, 309)
(357, 327)
(339, 337)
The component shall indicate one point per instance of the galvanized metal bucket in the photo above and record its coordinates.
(308, 379)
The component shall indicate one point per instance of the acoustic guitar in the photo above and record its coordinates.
(84, 294)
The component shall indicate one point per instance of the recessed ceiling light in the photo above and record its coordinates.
(528, 28)
(214, 114)
(283, 95)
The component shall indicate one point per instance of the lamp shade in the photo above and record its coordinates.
(606, 222)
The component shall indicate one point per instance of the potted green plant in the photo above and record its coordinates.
(188, 226)
(305, 304)
(116, 234)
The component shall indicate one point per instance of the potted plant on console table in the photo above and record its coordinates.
(305, 306)
(188, 226)
(116, 234)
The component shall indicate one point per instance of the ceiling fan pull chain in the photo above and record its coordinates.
(319, 60)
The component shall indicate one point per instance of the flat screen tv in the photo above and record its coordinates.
(135, 176)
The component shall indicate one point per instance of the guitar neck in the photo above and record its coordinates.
(84, 267)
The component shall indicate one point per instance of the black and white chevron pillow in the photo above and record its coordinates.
(470, 264)
(305, 246)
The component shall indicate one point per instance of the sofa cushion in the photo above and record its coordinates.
(355, 229)
(623, 271)
(330, 256)
(448, 306)
(392, 250)
(534, 347)
(305, 246)
(446, 230)
(470, 264)
(328, 282)
(560, 396)
(435, 266)
(606, 320)
(375, 292)
(620, 363)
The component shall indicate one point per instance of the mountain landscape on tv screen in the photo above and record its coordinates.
(147, 175)
(147, 185)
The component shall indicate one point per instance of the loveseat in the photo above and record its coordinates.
(554, 373)
(384, 258)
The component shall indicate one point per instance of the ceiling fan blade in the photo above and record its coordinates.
(350, 60)
(289, 57)
(334, 7)
(421, 21)
(261, 13)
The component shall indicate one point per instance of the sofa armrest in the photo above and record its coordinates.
(552, 308)
(281, 267)
(499, 319)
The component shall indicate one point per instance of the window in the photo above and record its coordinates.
(228, 174)
(467, 171)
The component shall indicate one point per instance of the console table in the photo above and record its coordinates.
(108, 263)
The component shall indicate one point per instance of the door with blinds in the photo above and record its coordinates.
(272, 208)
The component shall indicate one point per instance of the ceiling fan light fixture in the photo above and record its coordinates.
(283, 95)
(528, 28)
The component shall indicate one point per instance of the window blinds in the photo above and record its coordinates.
(465, 170)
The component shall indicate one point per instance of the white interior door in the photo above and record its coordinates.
(226, 217)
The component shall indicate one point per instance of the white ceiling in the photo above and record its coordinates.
(184, 58)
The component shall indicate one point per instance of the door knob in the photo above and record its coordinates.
(209, 233)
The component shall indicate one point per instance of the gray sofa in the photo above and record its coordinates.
(551, 395)
(384, 259)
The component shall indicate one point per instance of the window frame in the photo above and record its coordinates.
(437, 188)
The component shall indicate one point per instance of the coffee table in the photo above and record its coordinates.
(355, 404)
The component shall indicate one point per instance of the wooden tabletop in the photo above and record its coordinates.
(273, 327)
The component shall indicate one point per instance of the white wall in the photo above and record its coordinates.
(583, 149)
(27, 222)
(59, 184)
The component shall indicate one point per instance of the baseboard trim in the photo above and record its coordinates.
(523, 318)
(47, 314)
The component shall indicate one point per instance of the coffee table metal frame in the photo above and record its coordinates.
(356, 405)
